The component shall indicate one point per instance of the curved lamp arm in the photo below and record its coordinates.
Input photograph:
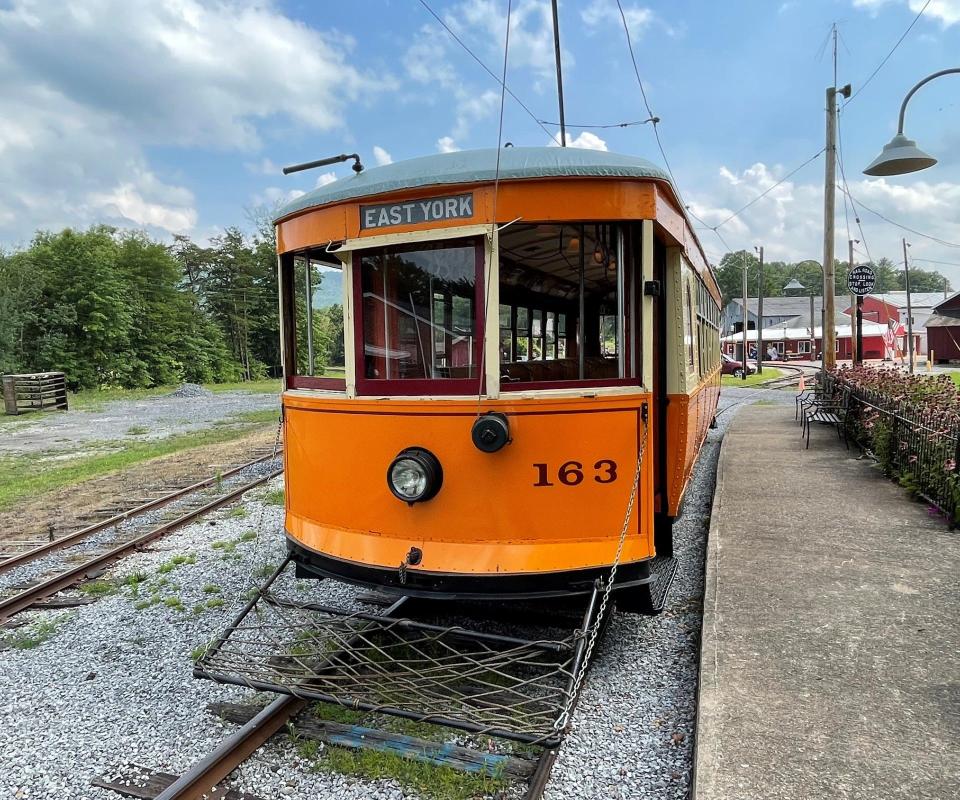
(903, 107)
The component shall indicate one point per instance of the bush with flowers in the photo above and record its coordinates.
(911, 425)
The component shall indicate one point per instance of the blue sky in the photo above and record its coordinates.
(175, 116)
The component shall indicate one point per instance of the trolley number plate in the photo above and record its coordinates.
(572, 473)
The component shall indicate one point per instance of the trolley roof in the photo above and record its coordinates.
(478, 166)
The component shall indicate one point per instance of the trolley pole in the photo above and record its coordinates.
(556, 47)
(760, 316)
(743, 358)
(906, 281)
(854, 340)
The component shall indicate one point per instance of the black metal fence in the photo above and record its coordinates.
(915, 444)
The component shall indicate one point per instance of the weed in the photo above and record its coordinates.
(265, 570)
(215, 602)
(142, 604)
(247, 536)
(137, 430)
(198, 609)
(275, 497)
(211, 588)
(237, 512)
(227, 547)
(175, 562)
(35, 634)
(98, 588)
(175, 603)
(197, 653)
(218, 482)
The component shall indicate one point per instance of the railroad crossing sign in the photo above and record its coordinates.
(861, 280)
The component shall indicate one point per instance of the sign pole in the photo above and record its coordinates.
(859, 351)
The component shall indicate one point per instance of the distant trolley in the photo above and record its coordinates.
(474, 356)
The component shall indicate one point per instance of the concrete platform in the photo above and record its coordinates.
(829, 666)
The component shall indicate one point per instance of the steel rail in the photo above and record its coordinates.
(71, 538)
(57, 583)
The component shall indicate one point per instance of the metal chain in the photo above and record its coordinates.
(564, 718)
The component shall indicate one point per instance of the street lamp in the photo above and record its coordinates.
(901, 155)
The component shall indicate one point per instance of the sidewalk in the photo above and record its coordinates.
(829, 665)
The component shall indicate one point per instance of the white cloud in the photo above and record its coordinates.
(263, 167)
(947, 11)
(605, 12)
(87, 87)
(325, 179)
(381, 156)
(586, 141)
(789, 220)
(445, 144)
(471, 108)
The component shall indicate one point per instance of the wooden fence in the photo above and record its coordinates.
(34, 392)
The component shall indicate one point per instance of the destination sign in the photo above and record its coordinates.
(435, 209)
(861, 280)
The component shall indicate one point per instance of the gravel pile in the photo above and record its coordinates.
(191, 390)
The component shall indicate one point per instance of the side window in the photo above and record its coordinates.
(688, 335)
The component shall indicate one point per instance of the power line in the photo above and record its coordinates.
(845, 191)
(486, 69)
(765, 193)
(608, 125)
(915, 232)
(886, 58)
(654, 119)
(934, 261)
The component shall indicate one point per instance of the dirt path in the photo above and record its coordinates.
(63, 508)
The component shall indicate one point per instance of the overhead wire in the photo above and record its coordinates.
(604, 126)
(914, 231)
(475, 57)
(653, 117)
(886, 58)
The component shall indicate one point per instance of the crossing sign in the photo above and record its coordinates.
(861, 280)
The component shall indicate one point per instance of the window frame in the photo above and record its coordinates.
(291, 380)
(420, 386)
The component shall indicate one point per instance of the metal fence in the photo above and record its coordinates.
(914, 444)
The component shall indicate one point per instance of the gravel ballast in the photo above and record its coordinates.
(112, 685)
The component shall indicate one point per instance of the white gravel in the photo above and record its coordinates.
(150, 418)
(113, 685)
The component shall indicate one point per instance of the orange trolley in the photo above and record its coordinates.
(478, 347)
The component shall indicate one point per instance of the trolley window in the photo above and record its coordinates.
(421, 318)
(312, 288)
(562, 313)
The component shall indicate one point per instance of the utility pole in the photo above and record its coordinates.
(556, 47)
(854, 342)
(906, 280)
(829, 207)
(760, 315)
(743, 359)
(813, 331)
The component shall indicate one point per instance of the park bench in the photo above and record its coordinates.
(827, 411)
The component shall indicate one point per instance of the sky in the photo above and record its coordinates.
(176, 116)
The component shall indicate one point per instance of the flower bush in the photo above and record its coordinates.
(911, 424)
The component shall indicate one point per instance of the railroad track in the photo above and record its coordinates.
(785, 381)
(135, 535)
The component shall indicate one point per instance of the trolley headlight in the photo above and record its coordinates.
(414, 475)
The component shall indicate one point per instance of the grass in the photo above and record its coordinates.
(30, 636)
(954, 376)
(273, 498)
(98, 588)
(24, 477)
(176, 561)
(237, 511)
(427, 780)
(137, 430)
(752, 380)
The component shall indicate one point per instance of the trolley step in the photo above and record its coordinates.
(666, 570)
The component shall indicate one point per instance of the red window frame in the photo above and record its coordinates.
(418, 386)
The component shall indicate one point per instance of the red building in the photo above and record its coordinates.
(943, 331)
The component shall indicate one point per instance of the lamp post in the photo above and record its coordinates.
(901, 155)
